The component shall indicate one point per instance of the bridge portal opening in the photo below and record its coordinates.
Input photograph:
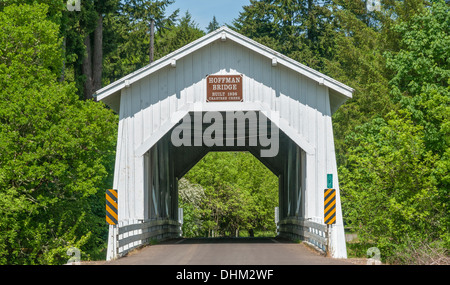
(228, 194)
(227, 172)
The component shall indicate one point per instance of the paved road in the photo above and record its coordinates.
(227, 251)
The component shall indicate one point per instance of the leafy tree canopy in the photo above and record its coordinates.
(56, 151)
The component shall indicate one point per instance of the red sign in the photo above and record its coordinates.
(224, 88)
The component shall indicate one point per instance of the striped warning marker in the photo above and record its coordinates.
(329, 206)
(111, 207)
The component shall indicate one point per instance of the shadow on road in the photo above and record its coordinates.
(206, 240)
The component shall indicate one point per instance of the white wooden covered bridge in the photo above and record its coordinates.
(167, 107)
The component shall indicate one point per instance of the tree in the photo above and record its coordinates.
(190, 200)
(262, 186)
(57, 152)
(179, 35)
(92, 63)
(298, 29)
(240, 193)
(357, 61)
(395, 182)
(420, 81)
(421, 70)
(127, 35)
(389, 189)
(213, 25)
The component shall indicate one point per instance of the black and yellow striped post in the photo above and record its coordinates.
(329, 208)
(111, 207)
(329, 213)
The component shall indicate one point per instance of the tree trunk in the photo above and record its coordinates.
(93, 61)
(87, 69)
(152, 40)
(97, 59)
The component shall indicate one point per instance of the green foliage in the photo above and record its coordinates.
(395, 181)
(358, 62)
(190, 199)
(298, 29)
(57, 151)
(421, 72)
(185, 32)
(238, 193)
(390, 192)
(424, 49)
(29, 41)
(127, 35)
(213, 25)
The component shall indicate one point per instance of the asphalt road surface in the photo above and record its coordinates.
(227, 251)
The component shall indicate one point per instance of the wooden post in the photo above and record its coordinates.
(328, 241)
(112, 243)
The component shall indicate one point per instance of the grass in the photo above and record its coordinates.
(258, 234)
(357, 249)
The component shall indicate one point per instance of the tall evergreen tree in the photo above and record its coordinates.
(179, 35)
(127, 35)
(213, 25)
(298, 29)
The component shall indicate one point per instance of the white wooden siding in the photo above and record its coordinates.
(302, 105)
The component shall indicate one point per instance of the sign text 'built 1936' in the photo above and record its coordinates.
(224, 88)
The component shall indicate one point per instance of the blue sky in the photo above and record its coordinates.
(202, 11)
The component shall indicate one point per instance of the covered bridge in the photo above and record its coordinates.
(175, 110)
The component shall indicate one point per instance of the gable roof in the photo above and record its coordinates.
(109, 92)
